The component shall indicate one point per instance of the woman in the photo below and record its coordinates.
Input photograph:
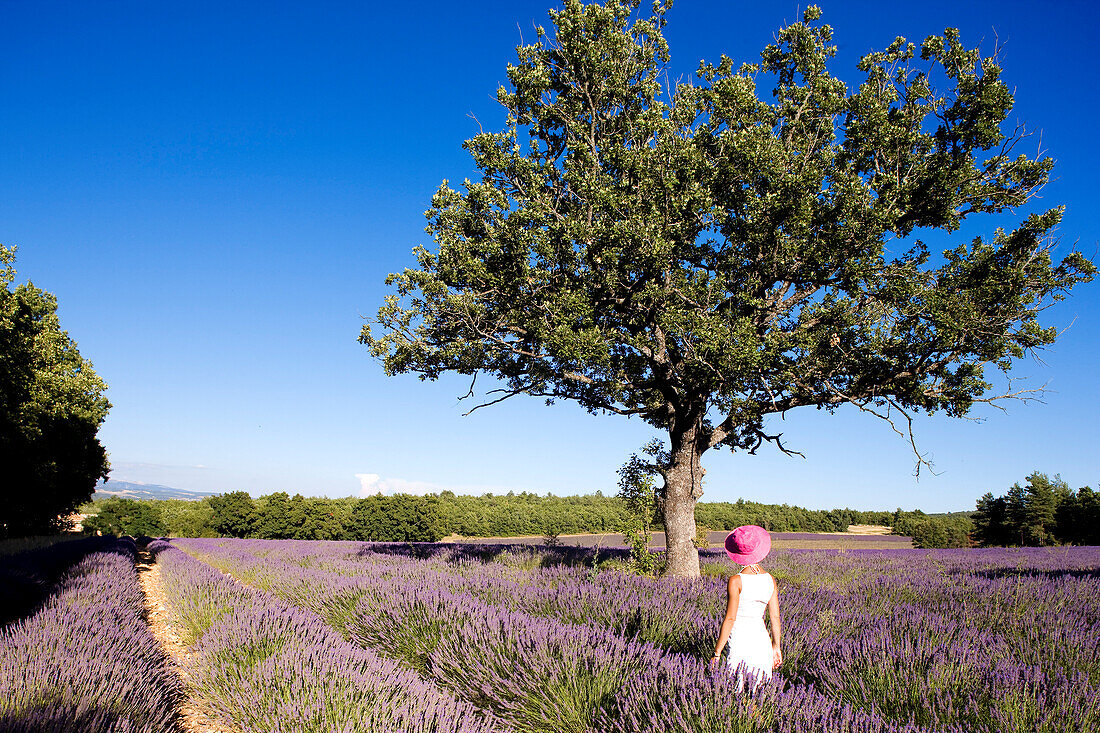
(752, 652)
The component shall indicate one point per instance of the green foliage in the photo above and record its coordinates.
(1078, 517)
(991, 527)
(126, 517)
(186, 518)
(399, 518)
(51, 408)
(638, 492)
(276, 520)
(235, 514)
(321, 519)
(1024, 516)
(702, 537)
(1044, 512)
(642, 560)
(637, 485)
(705, 256)
(528, 514)
(275, 516)
(930, 531)
(783, 518)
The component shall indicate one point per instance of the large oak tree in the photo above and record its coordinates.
(705, 256)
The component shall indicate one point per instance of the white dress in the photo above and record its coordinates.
(750, 645)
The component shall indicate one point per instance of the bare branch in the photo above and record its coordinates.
(761, 437)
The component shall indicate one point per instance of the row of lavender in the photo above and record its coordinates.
(263, 665)
(32, 567)
(85, 659)
(876, 642)
(536, 674)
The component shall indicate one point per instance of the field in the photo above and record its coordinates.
(341, 636)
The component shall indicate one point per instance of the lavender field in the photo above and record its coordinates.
(84, 660)
(535, 639)
(342, 636)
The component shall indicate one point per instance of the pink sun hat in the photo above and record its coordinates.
(748, 544)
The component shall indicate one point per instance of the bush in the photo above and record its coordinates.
(126, 517)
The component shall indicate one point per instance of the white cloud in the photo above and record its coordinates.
(368, 483)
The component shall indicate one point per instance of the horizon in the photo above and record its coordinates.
(216, 192)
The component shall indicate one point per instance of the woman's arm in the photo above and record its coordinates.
(777, 627)
(734, 595)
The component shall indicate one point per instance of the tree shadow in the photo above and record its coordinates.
(455, 553)
(29, 578)
(1051, 574)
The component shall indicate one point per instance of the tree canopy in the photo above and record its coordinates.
(425, 518)
(235, 514)
(51, 408)
(1044, 511)
(705, 256)
(126, 517)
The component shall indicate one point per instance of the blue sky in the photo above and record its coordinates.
(216, 191)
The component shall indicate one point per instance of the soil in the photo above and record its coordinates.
(867, 529)
(163, 625)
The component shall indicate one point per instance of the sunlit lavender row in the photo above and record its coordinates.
(85, 659)
(537, 674)
(966, 640)
(263, 665)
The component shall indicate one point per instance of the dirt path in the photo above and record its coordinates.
(192, 719)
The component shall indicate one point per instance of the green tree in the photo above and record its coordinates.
(325, 519)
(126, 517)
(235, 514)
(1016, 514)
(934, 531)
(1042, 497)
(1078, 517)
(273, 522)
(1045, 511)
(705, 257)
(638, 492)
(51, 408)
(298, 512)
(399, 518)
(187, 518)
(991, 528)
(1089, 502)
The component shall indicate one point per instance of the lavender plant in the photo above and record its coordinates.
(267, 666)
(883, 640)
(85, 660)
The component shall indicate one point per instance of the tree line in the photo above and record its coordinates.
(404, 518)
(1045, 511)
(783, 517)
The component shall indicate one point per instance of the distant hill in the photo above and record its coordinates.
(130, 490)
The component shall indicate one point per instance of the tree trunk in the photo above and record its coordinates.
(683, 487)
